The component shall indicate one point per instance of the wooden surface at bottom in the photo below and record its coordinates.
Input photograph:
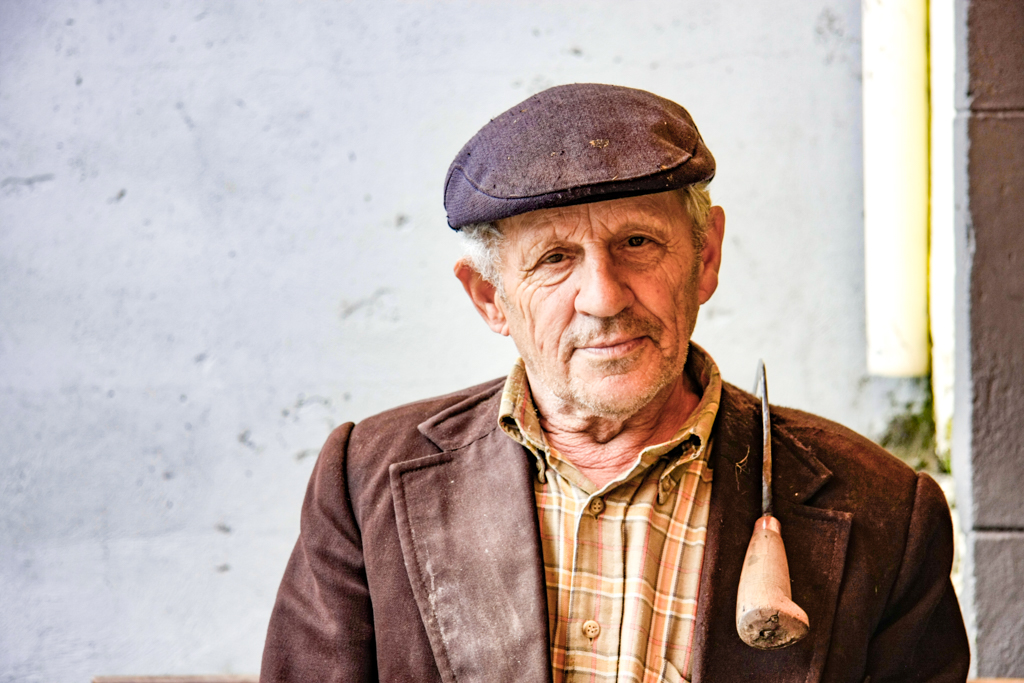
(177, 679)
(255, 679)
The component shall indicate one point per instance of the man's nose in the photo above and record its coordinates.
(603, 291)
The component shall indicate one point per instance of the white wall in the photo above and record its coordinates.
(221, 235)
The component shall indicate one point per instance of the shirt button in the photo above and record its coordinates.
(591, 629)
(596, 507)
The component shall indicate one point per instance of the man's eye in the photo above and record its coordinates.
(554, 258)
(636, 241)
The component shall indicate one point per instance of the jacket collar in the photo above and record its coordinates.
(467, 421)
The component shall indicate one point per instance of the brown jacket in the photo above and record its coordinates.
(419, 557)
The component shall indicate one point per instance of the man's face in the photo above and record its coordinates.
(601, 298)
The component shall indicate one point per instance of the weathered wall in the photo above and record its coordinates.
(221, 234)
(989, 442)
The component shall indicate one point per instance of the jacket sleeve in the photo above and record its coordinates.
(321, 628)
(921, 636)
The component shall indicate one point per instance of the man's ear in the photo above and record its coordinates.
(711, 255)
(484, 296)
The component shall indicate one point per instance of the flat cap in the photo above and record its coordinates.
(574, 144)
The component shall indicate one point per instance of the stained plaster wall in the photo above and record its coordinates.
(221, 235)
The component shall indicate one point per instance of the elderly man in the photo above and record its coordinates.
(586, 518)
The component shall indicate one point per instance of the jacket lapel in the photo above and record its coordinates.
(815, 541)
(467, 523)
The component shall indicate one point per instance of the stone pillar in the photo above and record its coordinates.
(988, 447)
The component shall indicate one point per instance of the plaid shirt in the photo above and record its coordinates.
(622, 563)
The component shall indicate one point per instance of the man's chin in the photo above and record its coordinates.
(632, 367)
(615, 395)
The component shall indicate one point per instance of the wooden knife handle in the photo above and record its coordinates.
(766, 616)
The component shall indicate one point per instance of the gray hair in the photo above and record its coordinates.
(481, 242)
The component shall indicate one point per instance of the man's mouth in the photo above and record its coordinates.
(612, 348)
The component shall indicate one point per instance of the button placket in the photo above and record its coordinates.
(581, 601)
(584, 631)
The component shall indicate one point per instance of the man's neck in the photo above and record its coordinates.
(604, 447)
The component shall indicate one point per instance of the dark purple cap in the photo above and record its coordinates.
(574, 144)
